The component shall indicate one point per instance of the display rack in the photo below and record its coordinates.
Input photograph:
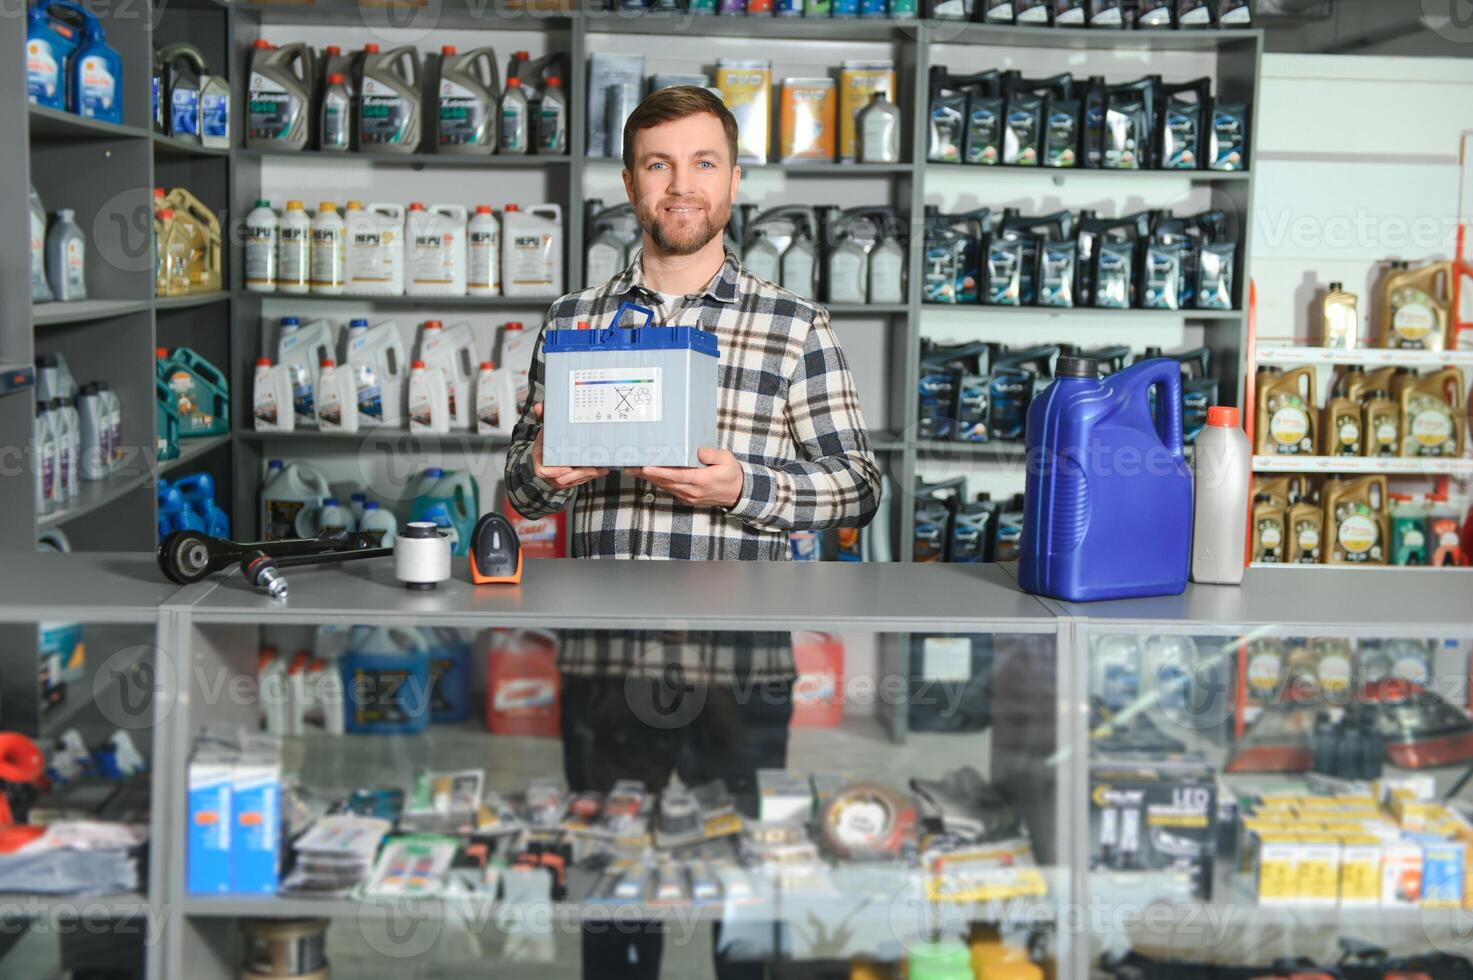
(209, 633)
(230, 180)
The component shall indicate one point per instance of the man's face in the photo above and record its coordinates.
(683, 183)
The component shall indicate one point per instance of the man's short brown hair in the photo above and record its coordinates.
(677, 102)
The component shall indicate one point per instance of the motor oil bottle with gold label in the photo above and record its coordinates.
(1433, 415)
(1283, 490)
(1414, 306)
(1355, 521)
(1339, 318)
(1341, 424)
(1305, 527)
(1286, 412)
(1359, 384)
(1381, 424)
(1268, 529)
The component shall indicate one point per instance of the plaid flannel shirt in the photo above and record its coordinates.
(787, 409)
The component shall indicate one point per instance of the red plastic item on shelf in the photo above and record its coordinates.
(542, 537)
(523, 684)
(818, 693)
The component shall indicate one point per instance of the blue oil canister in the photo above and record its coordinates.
(50, 42)
(1108, 502)
(95, 76)
(386, 681)
(450, 673)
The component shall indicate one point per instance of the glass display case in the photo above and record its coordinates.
(776, 773)
(1282, 782)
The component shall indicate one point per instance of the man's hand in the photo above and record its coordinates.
(561, 477)
(717, 484)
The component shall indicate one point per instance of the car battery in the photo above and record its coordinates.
(621, 396)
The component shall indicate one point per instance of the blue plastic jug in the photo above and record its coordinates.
(1107, 511)
(450, 673)
(452, 500)
(50, 42)
(198, 493)
(386, 680)
(95, 76)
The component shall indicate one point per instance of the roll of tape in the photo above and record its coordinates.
(866, 821)
(295, 948)
(421, 555)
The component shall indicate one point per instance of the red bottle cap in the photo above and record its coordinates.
(1223, 415)
(447, 49)
(416, 206)
(328, 362)
(512, 207)
(433, 325)
(514, 82)
(514, 325)
(483, 209)
(162, 353)
(336, 78)
(555, 81)
(263, 362)
(262, 44)
(333, 49)
(583, 325)
(488, 366)
(417, 366)
(370, 49)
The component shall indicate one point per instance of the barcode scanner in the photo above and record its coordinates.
(496, 552)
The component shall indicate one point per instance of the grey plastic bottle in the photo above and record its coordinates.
(1222, 465)
(40, 291)
(390, 114)
(66, 258)
(468, 109)
(279, 114)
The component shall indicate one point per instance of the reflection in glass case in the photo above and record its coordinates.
(635, 803)
(1275, 805)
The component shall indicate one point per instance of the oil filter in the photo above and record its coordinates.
(421, 555)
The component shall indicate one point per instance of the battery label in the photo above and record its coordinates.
(614, 395)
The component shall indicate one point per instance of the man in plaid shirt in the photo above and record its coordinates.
(793, 455)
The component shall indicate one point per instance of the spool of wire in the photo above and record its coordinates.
(295, 948)
(421, 555)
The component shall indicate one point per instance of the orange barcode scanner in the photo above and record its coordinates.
(496, 552)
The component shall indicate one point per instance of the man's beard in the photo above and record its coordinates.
(675, 237)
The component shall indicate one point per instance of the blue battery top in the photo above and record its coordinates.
(646, 337)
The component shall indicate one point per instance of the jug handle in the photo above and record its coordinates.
(492, 73)
(411, 56)
(1452, 390)
(1165, 373)
(607, 334)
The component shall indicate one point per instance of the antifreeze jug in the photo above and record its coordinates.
(279, 113)
(302, 350)
(376, 361)
(452, 349)
(386, 676)
(452, 501)
(291, 500)
(1108, 502)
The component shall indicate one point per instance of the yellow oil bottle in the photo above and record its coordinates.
(1414, 306)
